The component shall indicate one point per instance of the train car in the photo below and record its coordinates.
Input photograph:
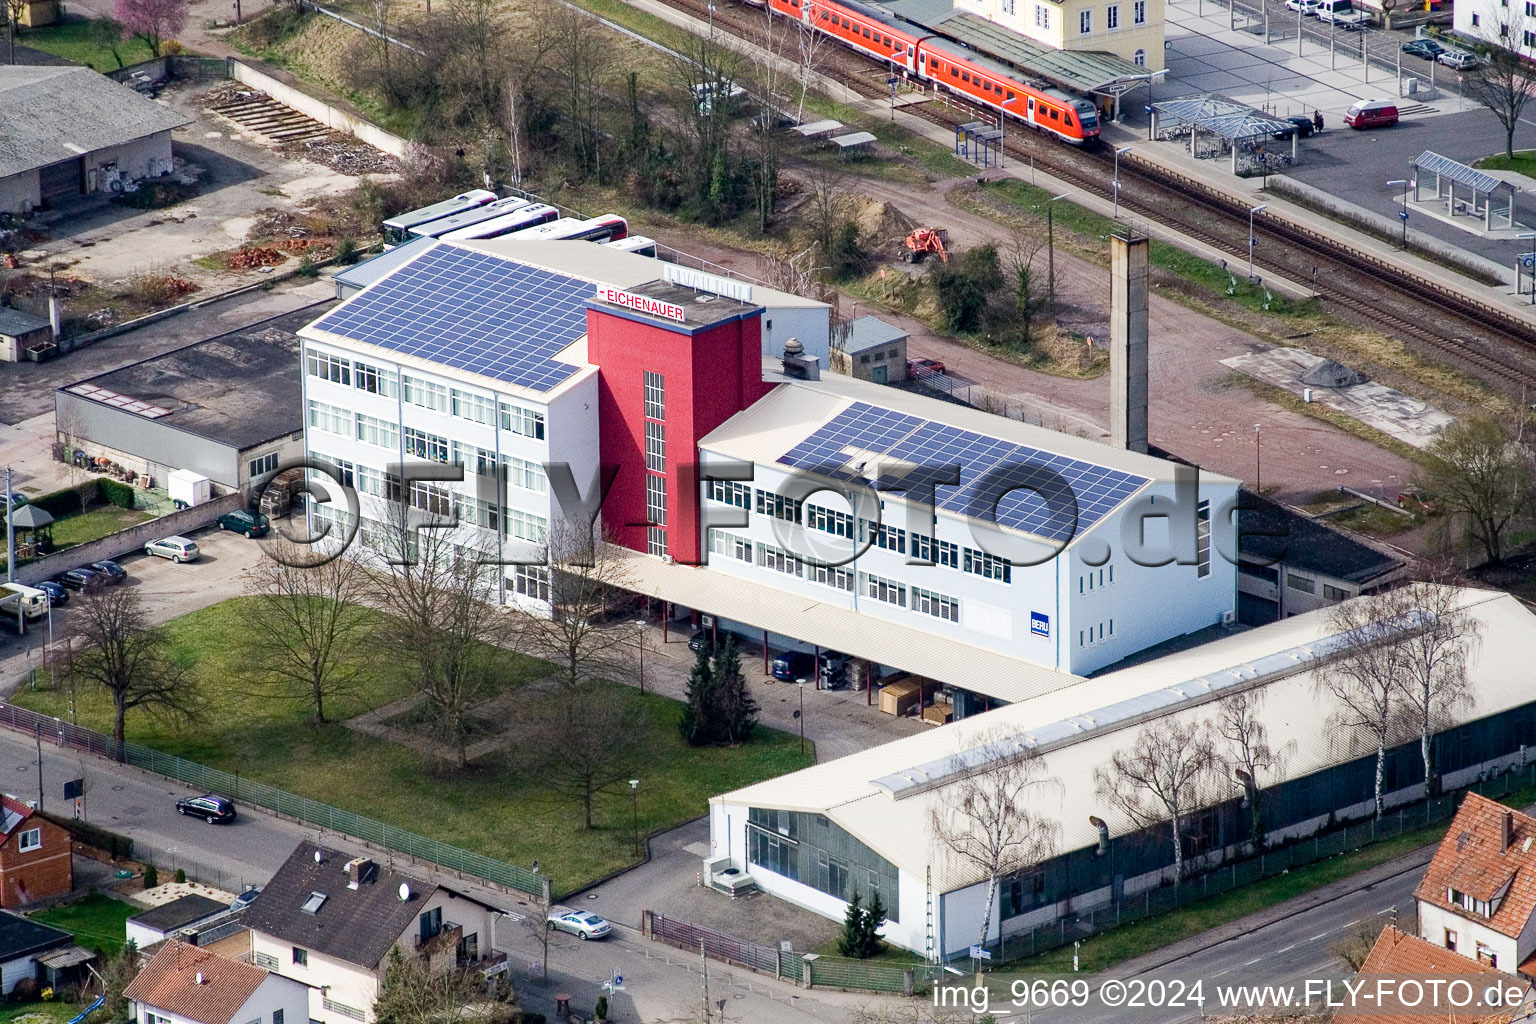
(993, 84)
(636, 244)
(530, 215)
(609, 228)
(857, 25)
(467, 218)
(398, 228)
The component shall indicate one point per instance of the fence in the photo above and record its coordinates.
(1083, 923)
(288, 805)
(979, 396)
(805, 969)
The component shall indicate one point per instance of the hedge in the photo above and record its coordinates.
(66, 502)
(119, 494)
(117, 845)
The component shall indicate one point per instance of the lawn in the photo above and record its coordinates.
(55, 1011)
(95, 524)
(1524, 161)
(492, 808)
(96, 921)
(77, 41)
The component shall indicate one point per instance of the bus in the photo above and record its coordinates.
(398, 228)
(530, 216)
(634, 243)
(609, 228)
(468, 218)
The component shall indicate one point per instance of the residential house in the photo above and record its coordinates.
(70, 131)
(1399, 955)
(187, 985)
(35, 859)
(159, 923)
(22, 942)
(1479, 893)
(331, 921)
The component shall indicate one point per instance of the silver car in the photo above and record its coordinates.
(580, 924)
(177, 549)
(1460, 60)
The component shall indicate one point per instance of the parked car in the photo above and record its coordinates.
(213, 808)
(246, 898)
(80, 579)
(17, 500)
(1371, 114)
(579, 923)
(243, 520)
(177, 549)
(702, 640)
(57, 593)
(792, 666)
(1342, 13)
(1308, 8)
(917, 366)
(109, 570)
(1425, 48)
(1300, 125)
(1460, 60)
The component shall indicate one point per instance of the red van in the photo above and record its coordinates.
(1371, 114)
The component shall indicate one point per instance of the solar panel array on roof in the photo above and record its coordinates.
(472, 311)
(1013, 485)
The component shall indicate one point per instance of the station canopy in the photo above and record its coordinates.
(1460, 173)
(1083, 71)
(1218, 116)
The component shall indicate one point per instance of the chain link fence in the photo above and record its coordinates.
(259, 794)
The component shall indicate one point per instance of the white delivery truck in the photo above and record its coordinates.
(18, 600)
(187, 488)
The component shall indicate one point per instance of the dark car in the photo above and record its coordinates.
(1300, 124)
(80, 579)
(1425, 48)
(703, 640)
(792, 666)
(110, 570)
(210, 806)
(243, 520)
(57, 593)
(17, 500)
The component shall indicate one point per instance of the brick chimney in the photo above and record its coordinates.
(1509, 829)
(359, 870)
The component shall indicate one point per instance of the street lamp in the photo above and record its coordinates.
(1002, 127)
(1251, 240)
(1403, 215)
(640, 643)
(1258, 460)
(634, 804)
(1050, 247)
(800, 715)
(1118, 154)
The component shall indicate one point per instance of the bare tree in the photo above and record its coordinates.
(1166, 775)
(583, 59)
(1247, 752)
(1365, 681)
(308, 632)
(1030, 294)
(772, 58)
(581, 742)
(984, 817)
(811, 50)
(14, 10)
(446, 625)
(1433, 664)
(415, 992)
(540, 904)
(116, 648)
(705, 72)
(1505, 81)
(587, 579)
(1480, 474)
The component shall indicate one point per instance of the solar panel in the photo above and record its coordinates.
(1069, 494)
(474, 312)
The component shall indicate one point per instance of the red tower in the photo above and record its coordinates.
(672, 366)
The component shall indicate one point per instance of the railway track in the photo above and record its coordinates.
(1490, 342)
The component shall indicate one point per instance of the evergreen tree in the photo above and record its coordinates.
(736, 710)
(874, 917)
(697, 699)
(851, 940)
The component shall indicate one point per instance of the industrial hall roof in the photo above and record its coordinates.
(1219, 116)
(883, 795)
(52, 114)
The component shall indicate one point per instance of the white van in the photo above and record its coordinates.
(23, 601)
(1342, 13)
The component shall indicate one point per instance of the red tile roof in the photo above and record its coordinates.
(170, 982)
(1475, 859)
(1398, 954)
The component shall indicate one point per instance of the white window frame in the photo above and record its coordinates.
(427, 394)
(472, 406)
(26, 845)
(1139, 12)
(425, 445)
(655, 396)
(940, 606)
(520, 419)
(380, 433)
(328, 367)
(878, 588)
(1111, 17)
(531, 581)
(655, 446)
(375, 380)
(261, 465)
(1085, 21)
(730, 492)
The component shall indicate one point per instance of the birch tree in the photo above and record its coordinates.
(1364, 681)
(811, 49)
(984, 817)
(1165, 776)
(1246, 751)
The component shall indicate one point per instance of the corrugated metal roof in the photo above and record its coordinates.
(1460, 173)
(375, 269)
(52, 114)
(868, 332)
(862, 636)
(1292, 709)
(1084, 70)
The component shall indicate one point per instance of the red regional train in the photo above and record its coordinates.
(980, 79)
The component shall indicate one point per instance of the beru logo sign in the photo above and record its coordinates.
(642, 303)
(1039, 624)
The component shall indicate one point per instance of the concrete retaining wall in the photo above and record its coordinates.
(318, 109)
(128, 541)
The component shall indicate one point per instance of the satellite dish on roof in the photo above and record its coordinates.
(319, 857)
(405, 892)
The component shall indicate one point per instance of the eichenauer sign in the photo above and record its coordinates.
(642, 303)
